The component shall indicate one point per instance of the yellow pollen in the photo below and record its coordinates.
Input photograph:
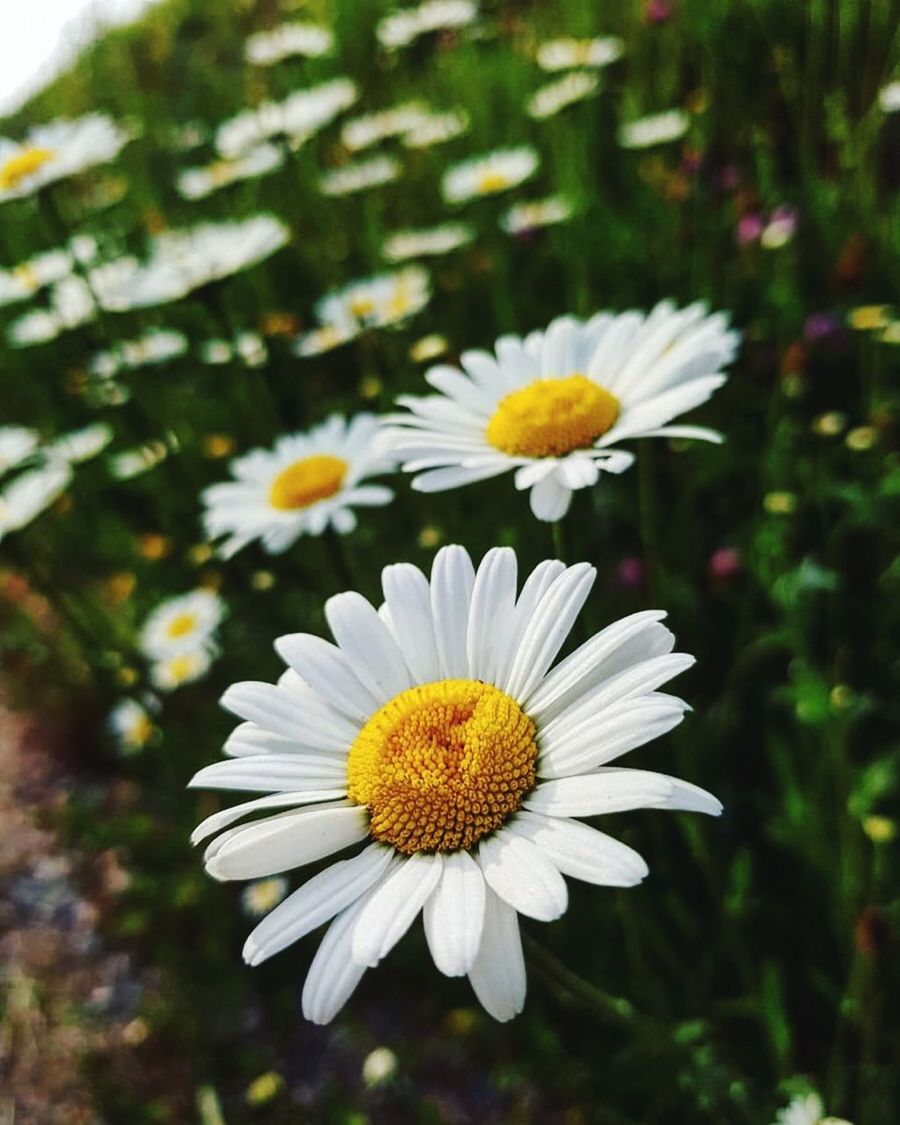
(307, 481)
(491, 181)
(25, 163)
(552, 417)
(181, 625)
(442, 765)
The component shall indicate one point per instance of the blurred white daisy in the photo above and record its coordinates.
(157, 345)
(373, 128)
(307, 483)
(806, 1109)
(81, 445)
(310, 40)
(403, 27)
(264, 895)
(23, 281)
(56, 150)
(172, 672)
(535, 214)
(494, 172)
(17, 444)
(247, 347)
(131, 725)
(427, 243)
(552, 406)
(435, 734)
(436, 129)
(182, 624)
(889, 97)
(183, 260)
(197, 183)
(73, 302)
(30, 493)
(659, 129)
(326, 338)
(566, 91)
(135, 462)
(569, 53)
(300, 116)
(360, 175)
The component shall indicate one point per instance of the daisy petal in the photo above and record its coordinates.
(522, 875)
(327, 671)
(393, 908)
(371, 651)
(491, 611)
(452, 579)
(582, 852)
(498, 975)
(333, 974)
(408, 599)
(598, 793)
(454, 915)
(275, 773)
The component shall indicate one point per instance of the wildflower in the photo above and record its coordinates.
(487, 175)
(436, 129)
(429, 347)
(553, 406)
(131, 725)
(310, 40)
(373, 128)
(861, 438)
(173, 672)
(17, 444)
(658, 129)
(379, 1066)
(261, 897)
(404, 26)
(299, 117)
(197, 183)
(31, 493)
(569, 54)
(556, 96)
(432, 242)
(806, 1109)
(360, 176)
(435, 734)
(523, 218)
(780, 229)
(306, 484)
(57, 150)
(182, 624)
(869, 318)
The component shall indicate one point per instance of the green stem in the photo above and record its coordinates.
(558, 536)
(337, 558)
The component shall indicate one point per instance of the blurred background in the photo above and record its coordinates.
(742, 155)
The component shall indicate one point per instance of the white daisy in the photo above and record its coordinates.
(569, 53)
(373, 128)
(309, 40)
(31, 493)
(566, 91)
(184, 668)
(158, 345)
(23, 281)
(553, 405)
(524, 217)
(403, 27)
(197, 183)
(889, 97)
(183, 260)
(435, 734)
(431, 242)
(659, 129)
(325, 339)
(436, 129)
(264, 895)
(135, 462)
(81, 445)
(56, 150)
(806, 1109)
(17, 443)
(182, 624)
(497, 171)
(306, 484)
(299, 117)
(360, 175)
(131, 725)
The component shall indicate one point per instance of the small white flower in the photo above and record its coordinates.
(309, 40)
(659, 129)
(569, 53)
(889, 97)
(173, 671)
(403, 27)
(806, 1109)
(134, 462)
(197, 183)
(528, 216)
(435, 735)
(551, 407)
(182, 624)
(486, 175)
(373, 128)
(300, 116)
(31, 493)
(436, 129)
(81, 445)
(378, 1066)
(432, 242)
(23, 281)
(264, 895)
(306, 484)
(158, 345)
(17, 443)
(56, 150)
(359, 176)
(131, 725)
(566, 91)
(251, 348)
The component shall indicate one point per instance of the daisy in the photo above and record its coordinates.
(184, 668)
(31, 493)
(23, 281)
(81, 445)
(500, 170)
(360, 175)
(806, 1109)
(436, 129)
(373, 128)
(159, 345)
(261, 897)
(130, 725)
(197, 183)
(556, 96)
(325, 339)
(182, 624)
(56, 150)
(183, 260)
(135, 462)
(299, 117)
(568, 53)
(553, 405)
(403, 27)
(435, 734)
(306, 484)
(659, 129)
(307, 39)
(889, 97)
(523, 218)
(17, 443)
(406, 244)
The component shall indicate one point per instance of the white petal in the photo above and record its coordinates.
(492, 606)
(371, 651)
(222, 819)
(536, 585)
(597, 793)
(275, 773)
(454, 915)
(318, 900)
(408, 598)
(582, 852)
(452, 579)
(498, 975)
(280, 843)
(326, 669)
(550, 499)
(394, 906)
(296, 715)
(333, 974)
(522, 876)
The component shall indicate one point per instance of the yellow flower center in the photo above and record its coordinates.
(361, 307)
(141, 731)
(492, 180)
(181, 625)
(551, 417)
(307, 481)
(27, 276)
(220, 171)
(183, 667)
(25, 163)
(442, 765)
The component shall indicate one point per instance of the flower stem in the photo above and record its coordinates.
(337, 558)
(558, 535)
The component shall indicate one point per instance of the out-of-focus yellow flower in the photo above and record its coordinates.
(200, 553)
(880, 829)
(118, 588)
(263, 1089)
(216, 446)
(262, 580)
(780, 503)
(830, 424)
(276, 323)
(861, 438)
(867, 318)
(370, 386)
(430, 536)
(154, 546)
(429, 347)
